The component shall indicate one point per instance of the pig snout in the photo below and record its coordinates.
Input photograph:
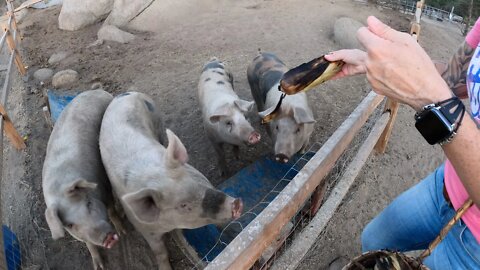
(110, 240)
(254, 138)
(237, 208)
(281, 158)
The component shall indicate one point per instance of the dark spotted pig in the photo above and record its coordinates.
(159, 191)
(75, 185)
(224, 112)
(292, 129)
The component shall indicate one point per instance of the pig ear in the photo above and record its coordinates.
(302, 117)
(220, 112)
(243, 105)
(80, 187)
(266, 112)
(176, 152)
(54, 223)
(144, 204)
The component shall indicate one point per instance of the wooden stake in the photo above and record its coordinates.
(392, 107)
(10, 130)
(13, 48)
(446, 229)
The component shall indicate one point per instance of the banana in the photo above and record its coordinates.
(308, 75)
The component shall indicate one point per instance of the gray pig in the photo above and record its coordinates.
(224, 112)
(75, 185)
(292, 129)
(159, 191)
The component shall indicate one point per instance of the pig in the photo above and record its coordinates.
(292, 129)
(224, 112)
(158, 190)
(75, 185)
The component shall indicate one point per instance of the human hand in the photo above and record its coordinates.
(354, 62)
(397, 67)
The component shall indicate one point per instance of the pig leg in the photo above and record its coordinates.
(304, 147)
(236, 152)
(97, 260)
(117, 222)
(155, 240)
(221, 158)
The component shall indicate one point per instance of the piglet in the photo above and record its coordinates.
(292, 128)
(159, 191)
(75, 185)
(224, 112)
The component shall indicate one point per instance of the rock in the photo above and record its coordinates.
(43, 74)
(64, 78)
(96, 85)
(57, 57)
(78, 14)
(345, 33)
(97, 42)
(112, 33)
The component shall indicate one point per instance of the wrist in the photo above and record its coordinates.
(442, 92)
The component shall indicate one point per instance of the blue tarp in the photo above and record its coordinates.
(13, 255)
(254, 184)
(57, 100)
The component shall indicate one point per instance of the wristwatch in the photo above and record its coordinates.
(439, 122)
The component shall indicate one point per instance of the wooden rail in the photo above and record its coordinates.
(247, 247)
(9, 36)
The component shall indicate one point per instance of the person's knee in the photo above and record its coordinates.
(369, 238)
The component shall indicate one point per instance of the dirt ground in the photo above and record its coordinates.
(167, 65)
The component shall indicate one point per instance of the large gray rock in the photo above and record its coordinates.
(76, 14)
(150, 15)
(57, 57)
(112, 33)
(43, 74)
(64, 78)
(345, 33)
(125, 10)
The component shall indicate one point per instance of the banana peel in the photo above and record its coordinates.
(308, 75)
(303, 78)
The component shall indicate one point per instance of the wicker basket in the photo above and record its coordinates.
(369, 259)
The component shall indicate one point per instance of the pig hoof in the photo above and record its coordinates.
(98, 264)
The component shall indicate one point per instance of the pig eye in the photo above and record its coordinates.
(69, 225)
(183, 205)
(298, 130)
(229, 123)
(276, 127)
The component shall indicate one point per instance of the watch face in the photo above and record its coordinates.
(433, 126)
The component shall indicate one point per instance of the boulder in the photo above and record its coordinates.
(64, 78)
(43, 74)
(77, 14)
(113, 33)
(57, 57)
(345, 33)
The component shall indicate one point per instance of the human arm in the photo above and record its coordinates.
(455, 71)
(397, 67)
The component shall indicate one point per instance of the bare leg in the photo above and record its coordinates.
(97, 260)
(155, 240)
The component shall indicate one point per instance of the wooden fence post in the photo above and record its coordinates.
(392, 105)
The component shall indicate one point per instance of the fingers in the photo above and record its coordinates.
(367, 38)
(384, 31)
(354, 56)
